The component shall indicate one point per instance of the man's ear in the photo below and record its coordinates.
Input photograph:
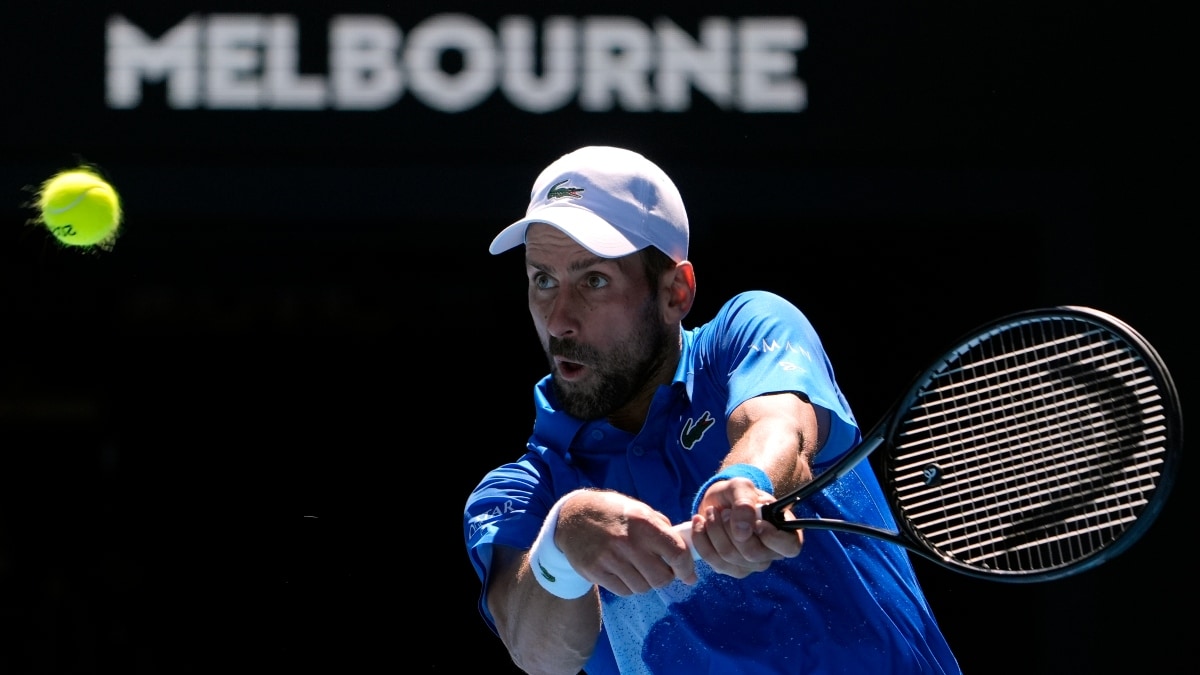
(678, 291)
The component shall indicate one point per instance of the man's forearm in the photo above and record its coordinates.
(544, 634)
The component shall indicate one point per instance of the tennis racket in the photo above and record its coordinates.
(1039, 446)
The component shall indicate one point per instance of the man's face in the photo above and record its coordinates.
(598, 321)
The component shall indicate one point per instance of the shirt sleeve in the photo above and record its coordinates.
(764, 344)
(507, 509)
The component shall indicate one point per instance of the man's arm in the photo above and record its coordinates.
(543, 633)
(609, 539)
(778, 434)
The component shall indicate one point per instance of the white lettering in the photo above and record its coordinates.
(559, 61)
(285, 87)
(133, 58)
(773, 344)
(455, 62)
(617, 59)
(684, 63)
(453, 33)
(364, 62)
(767, 63)
(234, 61)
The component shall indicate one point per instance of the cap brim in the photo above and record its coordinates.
(586, 228)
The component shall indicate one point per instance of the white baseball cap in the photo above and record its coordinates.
(612, 201)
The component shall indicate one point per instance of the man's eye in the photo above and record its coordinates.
(596, 282)
(542, 281)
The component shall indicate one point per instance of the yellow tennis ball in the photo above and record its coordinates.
(80, 208)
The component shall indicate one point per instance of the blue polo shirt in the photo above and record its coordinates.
(846, 604)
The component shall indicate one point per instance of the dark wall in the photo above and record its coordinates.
(243, 437)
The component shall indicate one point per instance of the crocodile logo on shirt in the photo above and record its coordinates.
(694, 430)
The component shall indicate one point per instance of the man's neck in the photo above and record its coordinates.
(632, 416)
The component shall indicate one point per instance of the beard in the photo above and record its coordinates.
(617, 374)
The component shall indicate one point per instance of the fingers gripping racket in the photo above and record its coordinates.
(1041, 445)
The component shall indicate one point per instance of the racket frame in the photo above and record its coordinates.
(886, 429)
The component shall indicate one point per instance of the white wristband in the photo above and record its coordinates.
(550, 565)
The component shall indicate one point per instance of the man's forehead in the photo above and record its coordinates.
(550, 249)
(574, 261)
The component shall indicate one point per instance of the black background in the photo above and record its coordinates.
(243, 437)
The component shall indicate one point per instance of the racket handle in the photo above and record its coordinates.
(685, 530)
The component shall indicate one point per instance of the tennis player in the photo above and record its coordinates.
(641, 424)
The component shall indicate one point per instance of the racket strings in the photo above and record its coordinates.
(1032, 447)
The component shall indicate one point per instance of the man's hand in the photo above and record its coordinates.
(622, 544)
(729, 535)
